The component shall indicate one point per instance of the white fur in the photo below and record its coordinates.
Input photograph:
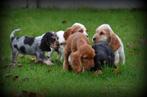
(104, 26)
(61, 40)
(82, 26)
(13, 32)
(61, 47)
(120, 52)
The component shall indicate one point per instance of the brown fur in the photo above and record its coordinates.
(110, 36)
(114, 42)
(80, 52)
(72, 30)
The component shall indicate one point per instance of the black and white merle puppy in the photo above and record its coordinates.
(104, 55)
(33, 46)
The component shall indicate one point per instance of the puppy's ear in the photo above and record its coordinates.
(45, 45)
(114, 42)
(76, 61)
(67, 33)
(75, 58)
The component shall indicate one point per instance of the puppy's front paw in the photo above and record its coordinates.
(117, 70)
(12, 65)
(98, 72)
(47, 62)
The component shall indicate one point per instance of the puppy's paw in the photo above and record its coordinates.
(33, 59)
(12, 65)
(65, 66)
(98, 72)
(117, 70)
(47, 62)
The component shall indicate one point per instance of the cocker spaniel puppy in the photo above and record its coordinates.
(104, 56)
(62, 37)
(105, 33)
(79, 55)
(36, 46)
(76, 27)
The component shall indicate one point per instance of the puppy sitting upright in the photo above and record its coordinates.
(33, 46)
(104, 55)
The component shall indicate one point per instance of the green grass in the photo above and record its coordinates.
(53, 81)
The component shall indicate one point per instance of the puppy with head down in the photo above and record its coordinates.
(63, 35)
(79, 55)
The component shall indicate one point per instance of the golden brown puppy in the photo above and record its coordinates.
(79, 55)
(76, 27)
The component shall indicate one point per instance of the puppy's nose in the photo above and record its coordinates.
(94, 39)
(58, 44)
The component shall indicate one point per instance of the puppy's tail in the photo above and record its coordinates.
(12, 35)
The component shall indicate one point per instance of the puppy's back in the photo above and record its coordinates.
(103, 53)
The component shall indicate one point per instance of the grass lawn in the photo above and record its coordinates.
(53, 81)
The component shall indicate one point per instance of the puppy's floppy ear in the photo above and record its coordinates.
(76, 58)
(45, 45)
(76, 61)
(67, 33)
(114, 42)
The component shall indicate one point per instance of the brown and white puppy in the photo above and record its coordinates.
(105, 33)
(78, 54)
(62, 37)
(76, 27)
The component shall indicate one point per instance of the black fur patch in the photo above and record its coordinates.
(22, 49)
(15, 46)
(12, 39)
(17, 38)
(28, 40)
(46, 41)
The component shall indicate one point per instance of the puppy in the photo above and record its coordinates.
(104, 55)
(62, 37)
(105, 33)
(76, 27)
(80, 52)
(36, 46)
(60, 49)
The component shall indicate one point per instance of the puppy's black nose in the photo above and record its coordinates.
(94, 39)
(58, 44)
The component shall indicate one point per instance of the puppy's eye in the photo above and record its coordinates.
(81, 31)
(54, 39)
(101, 33)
